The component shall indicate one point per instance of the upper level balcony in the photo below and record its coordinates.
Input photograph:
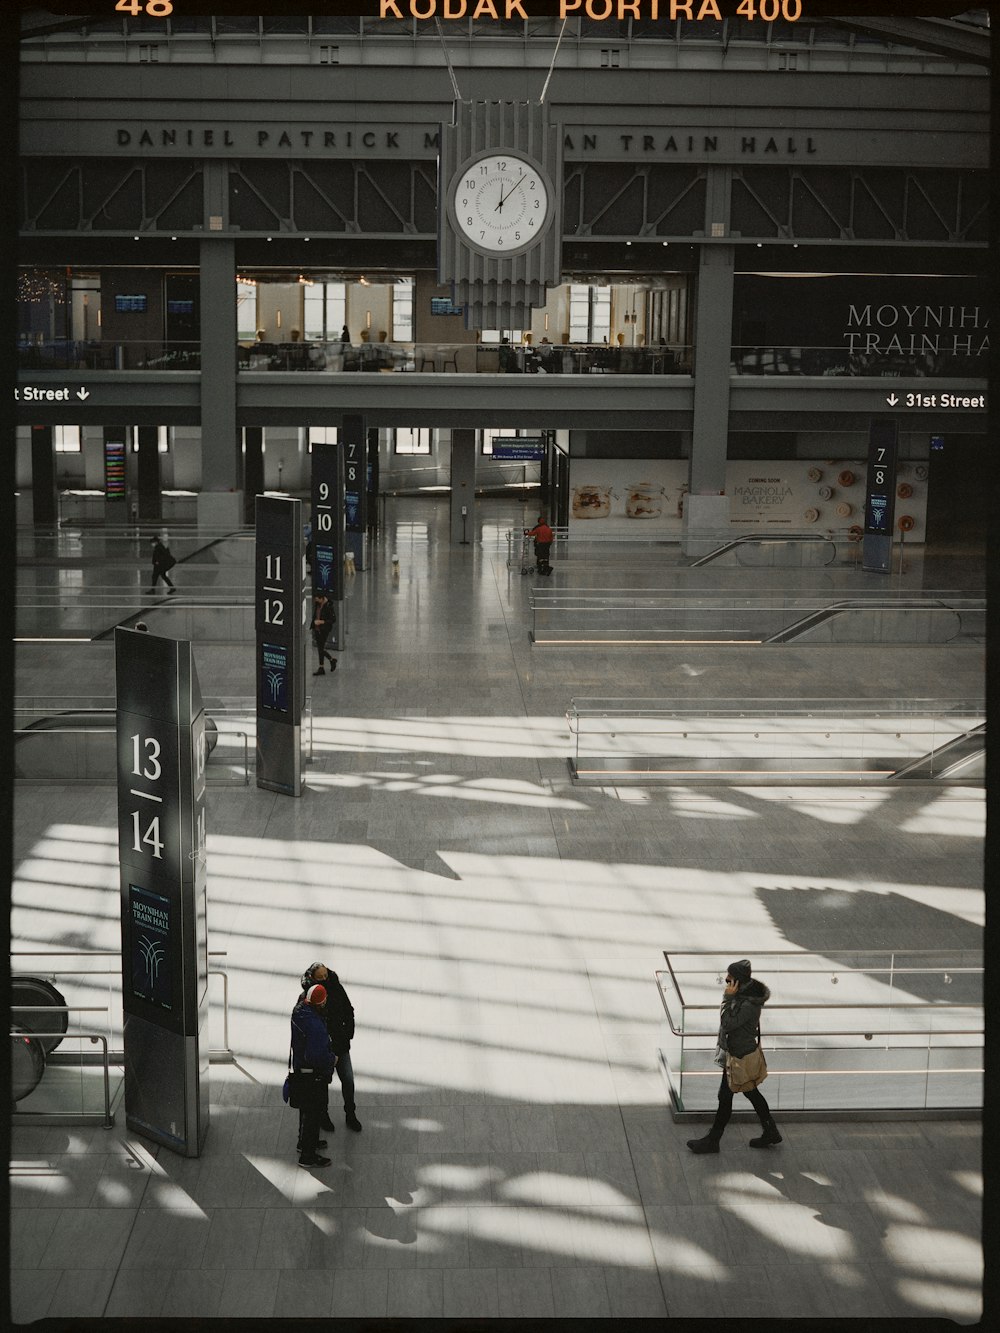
(525, 358)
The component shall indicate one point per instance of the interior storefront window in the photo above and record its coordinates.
(407, 440)
(66, 439)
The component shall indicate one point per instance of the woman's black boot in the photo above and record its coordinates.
(770, 1135)
(710, 1143)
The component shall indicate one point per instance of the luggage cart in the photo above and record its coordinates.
(527, 554)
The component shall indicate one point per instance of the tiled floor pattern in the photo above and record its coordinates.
(497, 930)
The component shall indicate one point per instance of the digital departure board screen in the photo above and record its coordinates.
(274, 676)
(114, 469)
(131, 304)
(151, 944)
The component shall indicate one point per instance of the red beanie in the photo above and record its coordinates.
(316, 995)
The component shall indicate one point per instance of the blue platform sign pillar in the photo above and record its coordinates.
(161, 855)
(283, 604)
(328, 531)
(880, 496)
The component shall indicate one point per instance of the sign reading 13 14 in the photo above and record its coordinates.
(149, 813)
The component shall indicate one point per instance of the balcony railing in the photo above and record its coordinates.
(841, 361)
(900, 1036)
(71, 354)
(498, 359)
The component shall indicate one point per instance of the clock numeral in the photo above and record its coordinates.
(517, 236)
(482, 235)
(502, 165)
(531, 185)
(531, 222)
(469, 221)
(536, 203)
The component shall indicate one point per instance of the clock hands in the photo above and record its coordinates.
(509, 192)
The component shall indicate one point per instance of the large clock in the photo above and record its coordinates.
(501, 202)
(500, 182)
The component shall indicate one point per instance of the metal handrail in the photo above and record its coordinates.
(96, 728)
(109, 1119)
(110, 972)
(892, 969)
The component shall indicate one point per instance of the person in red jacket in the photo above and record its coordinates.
(542, 534)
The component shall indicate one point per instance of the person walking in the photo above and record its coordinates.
(340, 1026)
(312, 1056)
(739, 1036)
(163, 562)
(543, 535)
(323, 621)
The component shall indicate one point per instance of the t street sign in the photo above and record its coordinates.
(33, 393)
(949, 402)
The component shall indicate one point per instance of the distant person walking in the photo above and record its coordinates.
(339, 1015)
(543, 536)
(312, 1056)
(739, 1041)
(323, 622)
(163, 562)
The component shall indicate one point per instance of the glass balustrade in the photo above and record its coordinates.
(650, 616)
(778, 740)
(62, 738)
(863, 1032)
(68, 1060)
(541, 358)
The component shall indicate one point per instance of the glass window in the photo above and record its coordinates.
(321, 435)
(325, 310)
(66, 439)
(589, 313)
(407, 440)
(246, 310)
(402, 310)
(579, 313)
(494, 335)
(162, 439)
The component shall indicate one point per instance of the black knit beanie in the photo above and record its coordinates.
(740, 971)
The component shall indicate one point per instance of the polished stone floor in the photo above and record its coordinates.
(497, 929)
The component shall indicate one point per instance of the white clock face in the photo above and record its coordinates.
(501, 203)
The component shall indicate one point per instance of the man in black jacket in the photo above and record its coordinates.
(163, 562)
(340, 1025)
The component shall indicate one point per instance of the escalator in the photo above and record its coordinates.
(963, 758)
(786, 540)
(815, 619)
(28, 1052)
